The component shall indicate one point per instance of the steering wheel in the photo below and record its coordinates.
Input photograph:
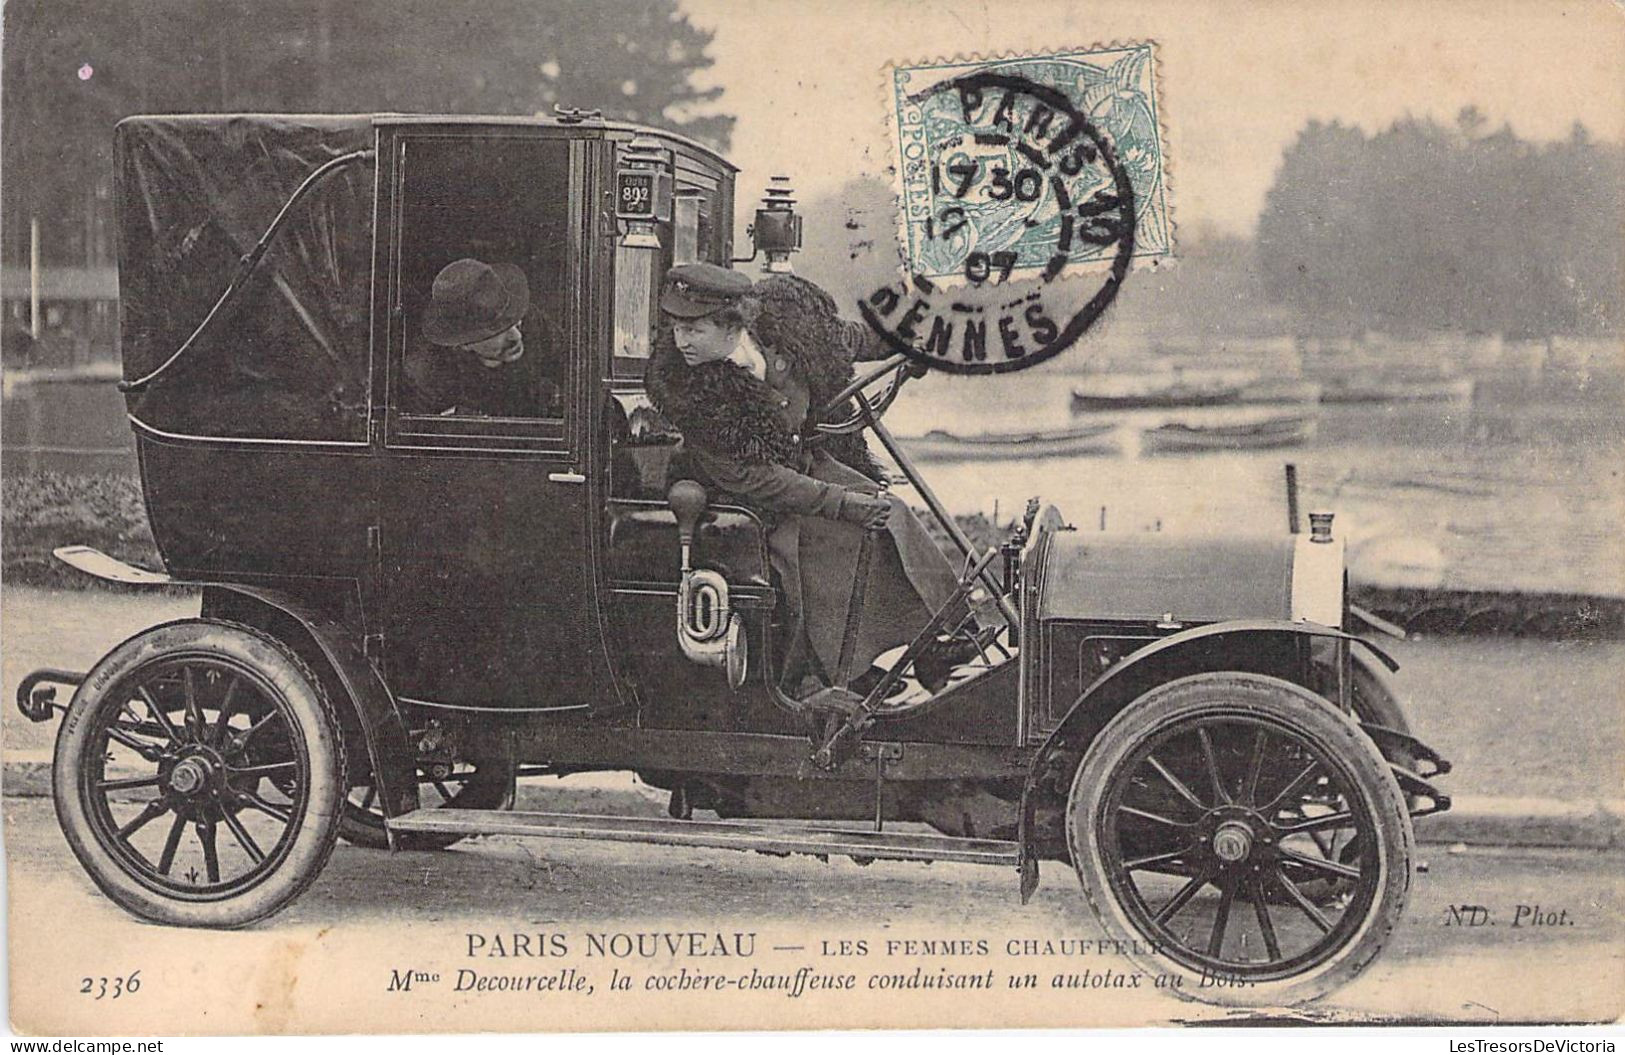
(868, 408)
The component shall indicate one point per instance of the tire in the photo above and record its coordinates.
(1374, 698)
(1181, 821)
(221, 734)
(479, 785)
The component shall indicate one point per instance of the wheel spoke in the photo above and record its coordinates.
(257, 726)
(129, 712)
(1315, 915)
(1154, 859)
(1154, 817)
(228, 708)
(1177, 784)
(211, 857)
(137, 726)
(260, 804)
(150, 752)
(371, 795)
(1255, 766)
(150, 812)
(1291, 789)
(158, 714)
(1265, 925)
(1182, 898)
(1323, 843)
(194, 712)
(123, 783)
(1221, 920)
(445, 792)
(261, 770)
(1320, 864)
(172, 842)
(245, 840)
(1208, 755)
(1341, 819)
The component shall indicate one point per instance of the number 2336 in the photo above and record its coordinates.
(110, 987)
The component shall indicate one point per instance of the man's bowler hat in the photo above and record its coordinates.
(471, 301)
(694, 291)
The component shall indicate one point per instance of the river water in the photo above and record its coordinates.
(1518, 489)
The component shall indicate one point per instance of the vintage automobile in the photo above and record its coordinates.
(407, 608)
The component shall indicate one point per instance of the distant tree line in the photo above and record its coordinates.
(1418, 228)
(73, 68)
(1425, 227)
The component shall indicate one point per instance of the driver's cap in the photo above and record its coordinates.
(694, 291)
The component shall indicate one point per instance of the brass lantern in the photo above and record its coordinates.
(776, 232)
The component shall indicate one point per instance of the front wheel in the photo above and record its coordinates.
(199, 775)
(1204, 810)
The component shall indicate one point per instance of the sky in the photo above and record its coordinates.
(1238, 80)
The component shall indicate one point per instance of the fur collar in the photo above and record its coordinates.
(720, 406)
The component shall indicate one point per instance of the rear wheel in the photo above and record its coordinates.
(199, 773)
(1202, 812)
(478, 785)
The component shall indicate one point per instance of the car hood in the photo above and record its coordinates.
(1191, 579)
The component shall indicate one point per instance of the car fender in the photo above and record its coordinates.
(383, 726)
(1215, 646)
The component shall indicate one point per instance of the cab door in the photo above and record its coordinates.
(484, 560)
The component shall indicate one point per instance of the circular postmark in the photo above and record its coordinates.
(1007, 189)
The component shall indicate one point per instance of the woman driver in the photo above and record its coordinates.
(738, 370)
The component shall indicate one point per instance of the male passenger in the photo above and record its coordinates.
(475, 361)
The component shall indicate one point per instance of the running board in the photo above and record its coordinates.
(776, 837)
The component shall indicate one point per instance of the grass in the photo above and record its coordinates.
(44, 510)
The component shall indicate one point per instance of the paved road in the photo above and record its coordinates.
(326, 963)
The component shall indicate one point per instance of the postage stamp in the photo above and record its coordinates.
(1014, 173)
(989, 179)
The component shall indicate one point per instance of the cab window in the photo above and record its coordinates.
(482, 286)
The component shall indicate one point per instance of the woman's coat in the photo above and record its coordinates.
(749, 438)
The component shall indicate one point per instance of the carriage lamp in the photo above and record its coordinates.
(1320, 527)
(643, 192)
(776, 231)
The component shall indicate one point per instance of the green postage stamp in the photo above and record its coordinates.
(1011, 167)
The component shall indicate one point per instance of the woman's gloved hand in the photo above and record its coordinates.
(869, 511)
